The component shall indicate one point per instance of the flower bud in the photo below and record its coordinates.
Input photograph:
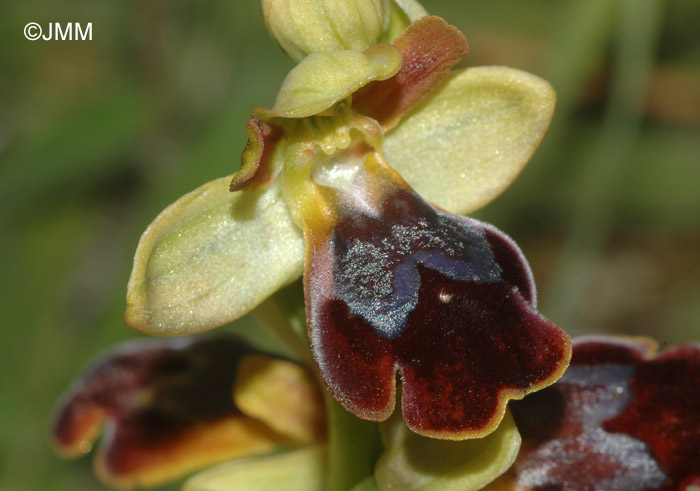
(304, 26)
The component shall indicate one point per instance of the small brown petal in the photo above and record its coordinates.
(430, 48)
(256, 168)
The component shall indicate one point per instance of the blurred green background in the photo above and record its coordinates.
(96, 137)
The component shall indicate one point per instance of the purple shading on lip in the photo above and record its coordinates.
(446, 301)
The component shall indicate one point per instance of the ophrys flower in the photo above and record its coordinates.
(392, 283)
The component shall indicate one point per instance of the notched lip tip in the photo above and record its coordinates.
(459, 435)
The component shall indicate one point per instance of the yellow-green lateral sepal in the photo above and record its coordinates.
(211, 257)
(326, 77)
(300, 470)
(412, 462)
(465, 143)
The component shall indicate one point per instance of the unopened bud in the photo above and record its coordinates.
(302, 27)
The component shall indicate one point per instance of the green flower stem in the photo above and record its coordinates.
(353, 444)
(353, 447)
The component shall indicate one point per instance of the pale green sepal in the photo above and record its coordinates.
(326, 77)
(299, 470)
(402, 13)
(211, 257)
(413, 462)
(466, 142)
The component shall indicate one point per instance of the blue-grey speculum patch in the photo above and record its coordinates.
(377, 274)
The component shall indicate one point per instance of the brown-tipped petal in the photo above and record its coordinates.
(282, 394)
(430, 48)
(615, 420)
(166, 407)
(256, 166)
(447, 301)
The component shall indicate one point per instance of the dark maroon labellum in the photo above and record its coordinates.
(446, 301)
(378, 258)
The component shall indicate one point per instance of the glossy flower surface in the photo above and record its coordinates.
(620, 418)
(393, 285)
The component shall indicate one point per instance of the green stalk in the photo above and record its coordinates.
(353, 447)
(353, 443)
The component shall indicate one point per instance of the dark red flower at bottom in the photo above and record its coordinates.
(167, 407)
(617, 420)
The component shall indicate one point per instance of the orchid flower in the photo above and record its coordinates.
(621, 417)
(170, 407)
(392, 283)
(358, 179)
(167, 407)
